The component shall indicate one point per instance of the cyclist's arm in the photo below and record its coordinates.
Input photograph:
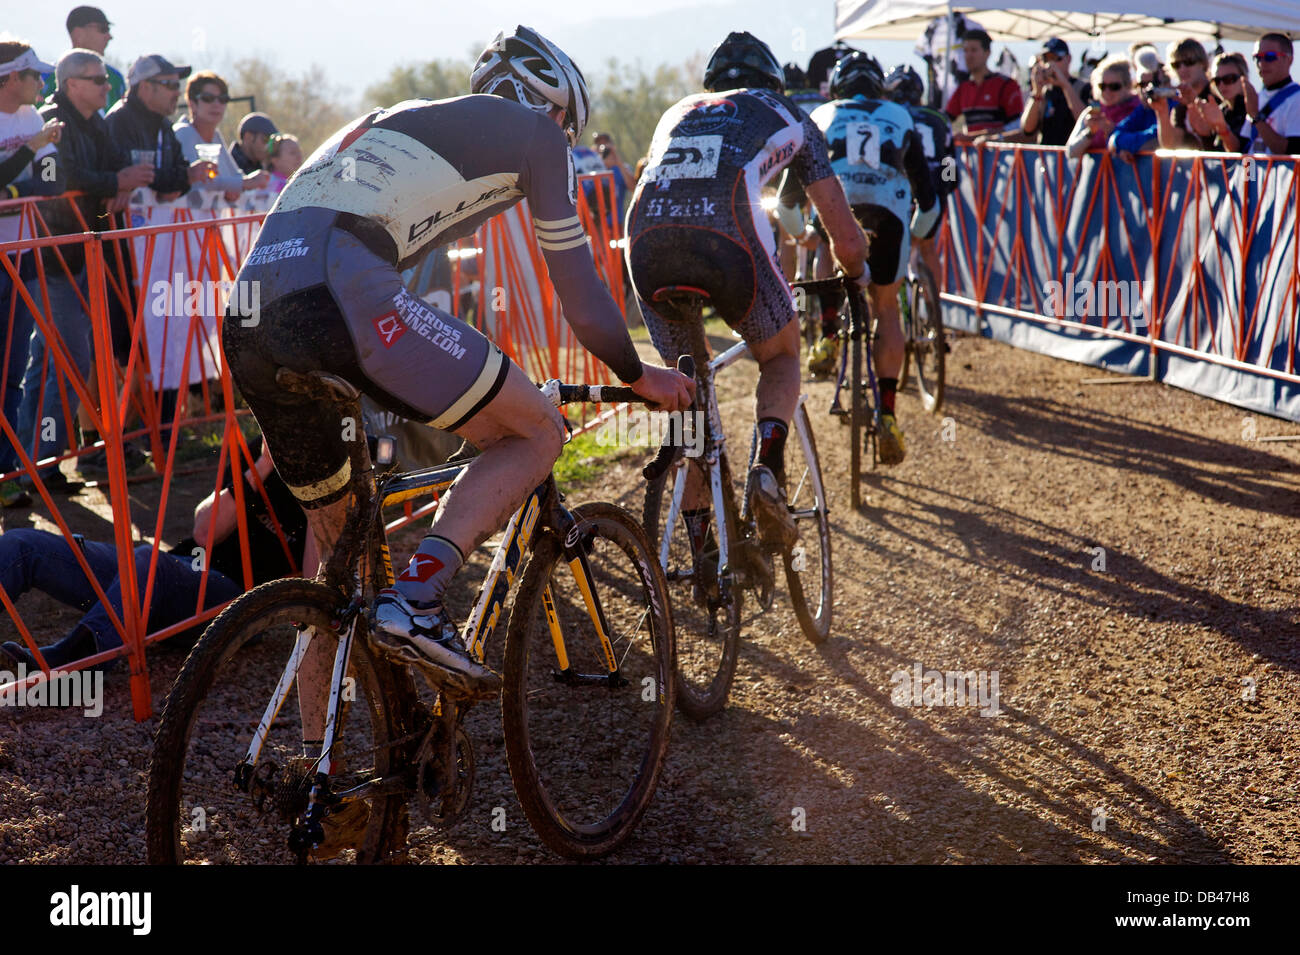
(848, 245)
(548, 182)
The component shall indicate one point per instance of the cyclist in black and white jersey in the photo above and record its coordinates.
(696, 220)
(376, 198)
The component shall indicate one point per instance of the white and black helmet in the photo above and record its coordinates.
(530, 69)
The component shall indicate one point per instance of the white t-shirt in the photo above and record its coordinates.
(15, 129)
(1285, 120)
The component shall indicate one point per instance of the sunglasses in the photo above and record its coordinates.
(1268, 56)
(100, 80)
(1113, 87)
(169, 84)
(212, 98)
(1227, 80)
(1178, 64)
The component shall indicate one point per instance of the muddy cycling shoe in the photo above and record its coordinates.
(822, 357)
(425, 637)
(776, 526)
(345, 828)
(889, 441)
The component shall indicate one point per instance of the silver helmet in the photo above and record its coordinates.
(530, 69)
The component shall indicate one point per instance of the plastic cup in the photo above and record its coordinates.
(142, 157)
(209, 152)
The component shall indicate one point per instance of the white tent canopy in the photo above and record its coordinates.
(1118, 21)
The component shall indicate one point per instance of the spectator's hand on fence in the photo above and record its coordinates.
(133, 177)
(51, 132)
(231, 197)
(256, 180)
(119, 202)
(199, 169)
(666, 388)
(1125, 155)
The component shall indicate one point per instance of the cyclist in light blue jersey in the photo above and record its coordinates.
(878, 158)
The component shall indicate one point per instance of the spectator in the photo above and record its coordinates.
(1146, 63)
(1225, 112)
(33, 559)
(88, 29)
(250, 152)
(1273, 113)
(1138, 130)
(141, 124)
(88, 163)
(1055, 99)
(1186, 128)
(988, 104)
(623, 180)
(207, 95)
(1112, 87)
(25, 140)
(285, 156)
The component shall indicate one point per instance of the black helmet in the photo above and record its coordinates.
(904, 85)
(743, 60)
(857, 74)
(795, 78)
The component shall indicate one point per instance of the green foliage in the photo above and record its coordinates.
(627, 102)
(584, 459)
(436, 79)
(308, 106)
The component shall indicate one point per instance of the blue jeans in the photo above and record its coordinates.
(32, 559)
(17, 337)
(73, 325)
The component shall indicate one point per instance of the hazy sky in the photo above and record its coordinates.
(360, 41)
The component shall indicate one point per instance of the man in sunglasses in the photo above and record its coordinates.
(1055, 97)
(141, 124)
(89, 29)
(1273, 113)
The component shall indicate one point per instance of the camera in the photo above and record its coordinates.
(1160, 92)
(603, 149)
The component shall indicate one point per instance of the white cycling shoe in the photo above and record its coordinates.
(426, 638)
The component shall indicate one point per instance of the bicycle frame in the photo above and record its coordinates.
(486, 614)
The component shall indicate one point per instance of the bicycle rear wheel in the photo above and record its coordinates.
(808, 565)
(586, 745)
(196, 813)
(926, 343)
(707, 630)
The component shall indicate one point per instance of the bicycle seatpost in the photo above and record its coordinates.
(651, 472)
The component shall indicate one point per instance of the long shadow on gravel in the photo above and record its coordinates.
(924, 770)
(1097, 437)
(1055, 560)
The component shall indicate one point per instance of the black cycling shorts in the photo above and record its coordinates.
(890, 247)
(741, 278)
(341, 309)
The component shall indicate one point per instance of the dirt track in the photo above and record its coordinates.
(1120, 690)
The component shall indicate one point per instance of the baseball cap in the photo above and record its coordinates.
(256, 124)
(1056, 46)
(153, 65)
(85, 16)
(1147, 58)
(27, 61)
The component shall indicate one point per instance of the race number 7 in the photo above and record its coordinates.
(863, 145)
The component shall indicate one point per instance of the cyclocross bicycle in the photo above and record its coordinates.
(708, 577)
(863, 414)
(923, 335)
(237, 775)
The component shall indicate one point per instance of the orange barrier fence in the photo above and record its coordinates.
(1183, 266)
(158, 287)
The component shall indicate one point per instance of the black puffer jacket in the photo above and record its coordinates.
(132, 126)
(88, 162)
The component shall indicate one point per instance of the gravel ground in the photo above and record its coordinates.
(1121, 692)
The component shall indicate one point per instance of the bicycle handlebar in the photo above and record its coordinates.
(561, 394)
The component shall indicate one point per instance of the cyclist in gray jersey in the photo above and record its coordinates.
(376, 198)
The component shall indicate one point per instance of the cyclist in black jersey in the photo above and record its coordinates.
(904, 86)
(696, 219)
(376, 198)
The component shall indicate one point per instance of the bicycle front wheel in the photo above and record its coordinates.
(708, 630)
(808, 564)
(207, 805)
(586, 720)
